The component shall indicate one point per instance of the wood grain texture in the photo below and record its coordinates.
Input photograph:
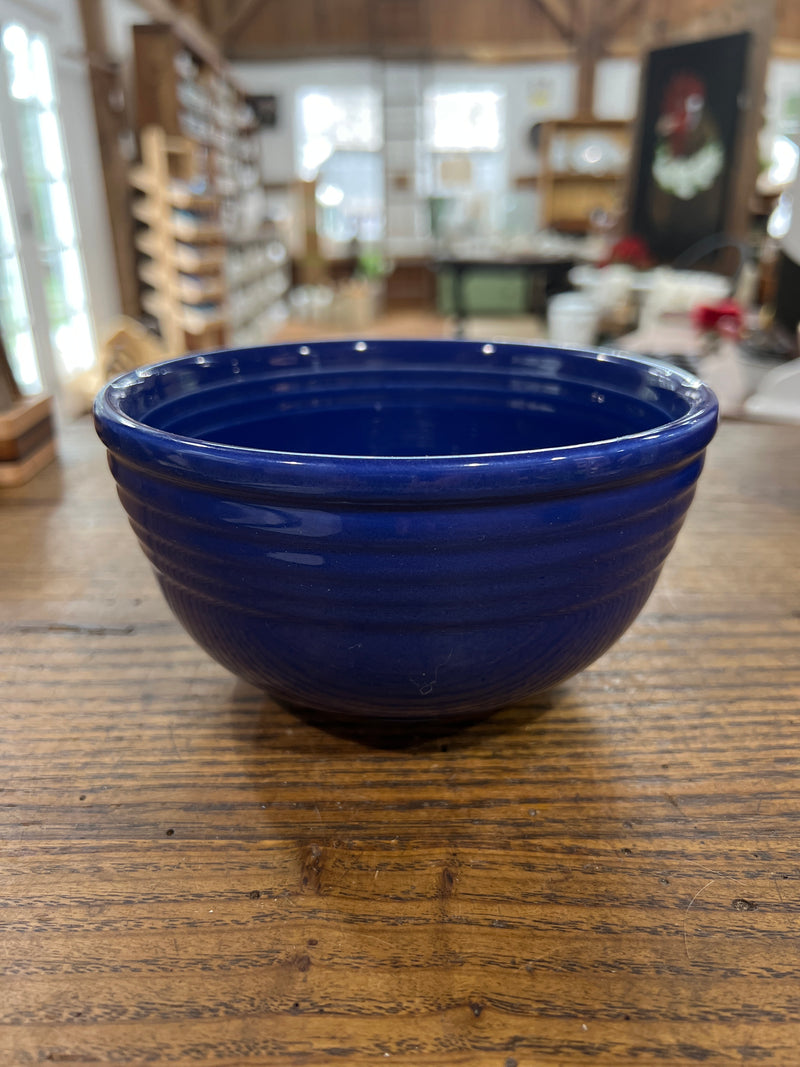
(610, 874)
(504, 30)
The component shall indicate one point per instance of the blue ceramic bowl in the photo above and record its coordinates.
(406, 529)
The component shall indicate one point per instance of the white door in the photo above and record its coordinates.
(45, 319)
(15, 318)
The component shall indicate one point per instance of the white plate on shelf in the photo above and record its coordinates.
(598, 154)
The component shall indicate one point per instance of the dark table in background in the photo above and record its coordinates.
(552, 270)
(610, 873)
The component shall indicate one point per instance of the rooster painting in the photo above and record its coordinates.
(690, 122)
(688, 163)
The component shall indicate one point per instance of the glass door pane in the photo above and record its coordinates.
(15, 319)
(46, 176)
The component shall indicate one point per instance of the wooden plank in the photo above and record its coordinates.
(619, 13)
(350, 23)
(23, 415)
(479, 51)
(154, 49)
(193, 35)
(449, 28)
(394, 26)
(476, 24)
(589, 49)
(161, 303)
(506, 30)
(240, 20)
(560, 15)
(290, 26)
(15, 473)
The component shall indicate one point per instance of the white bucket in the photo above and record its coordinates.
(572, 319)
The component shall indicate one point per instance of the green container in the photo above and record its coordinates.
(485, 292)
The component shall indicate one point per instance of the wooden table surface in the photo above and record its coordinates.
(610, 874)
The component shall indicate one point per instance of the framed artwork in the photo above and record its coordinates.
(266, 110)
(694, 99)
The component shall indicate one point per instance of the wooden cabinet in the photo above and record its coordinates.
(584, 169)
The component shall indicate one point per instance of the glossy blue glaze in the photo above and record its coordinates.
(406, 529)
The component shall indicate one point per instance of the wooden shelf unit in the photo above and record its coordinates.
(189, 307)
(201, 201)
(569, 196)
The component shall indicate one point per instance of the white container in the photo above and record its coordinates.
(572, 318)
(778, 396)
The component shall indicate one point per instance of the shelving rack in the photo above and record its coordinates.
(182, 261)
(569, 193)
(212, 268)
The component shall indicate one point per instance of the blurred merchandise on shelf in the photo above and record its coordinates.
(213, 266)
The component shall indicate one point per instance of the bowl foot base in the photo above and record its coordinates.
(385, 732)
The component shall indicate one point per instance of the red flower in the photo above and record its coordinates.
(725, 317)
(631, 250)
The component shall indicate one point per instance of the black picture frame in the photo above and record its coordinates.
(265, 108)
(692, 110)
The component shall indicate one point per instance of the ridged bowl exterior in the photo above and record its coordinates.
(404, 587)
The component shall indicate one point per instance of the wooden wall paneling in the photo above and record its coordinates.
(468, 24)
(447, 28)
(399, 26)
(502, 30)
(346, 25)
(281, 30)
(238, 20)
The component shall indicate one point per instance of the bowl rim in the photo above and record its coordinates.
(563, 470)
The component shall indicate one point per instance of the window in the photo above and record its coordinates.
(43, 185)
(15, 319)
(464, 133)
(465, 168)
(464, 120)
(340, 137)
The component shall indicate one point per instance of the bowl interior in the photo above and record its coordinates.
(390, 400)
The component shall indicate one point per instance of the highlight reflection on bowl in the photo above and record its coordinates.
(406, 529)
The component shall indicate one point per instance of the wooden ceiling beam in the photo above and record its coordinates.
(240, 20)
(590, 47)
(617, 14)
(195, 36)
(560, 14)
(215, 18)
